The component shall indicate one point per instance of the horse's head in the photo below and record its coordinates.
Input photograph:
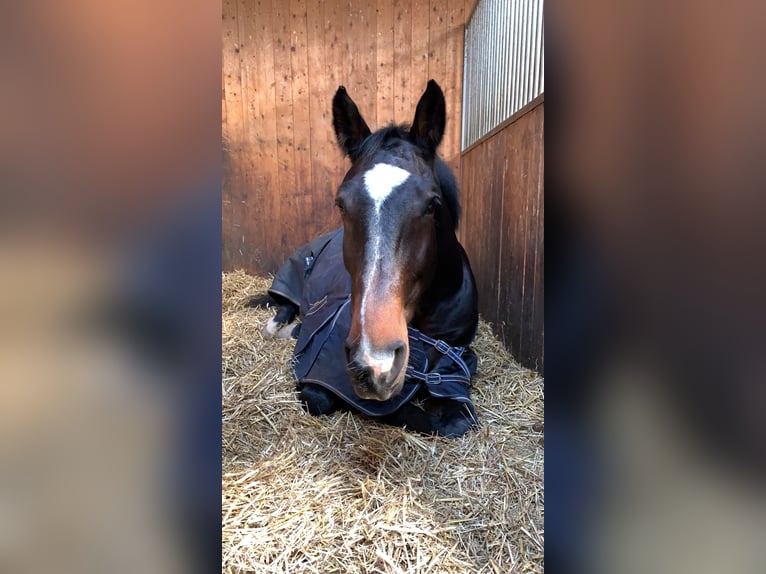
(391, 205)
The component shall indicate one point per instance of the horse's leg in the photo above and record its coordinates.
(411, 417)
(448, 417)
(443, 417)
(318, 400)
(279, 325)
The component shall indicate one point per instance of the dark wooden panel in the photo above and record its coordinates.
(502, 184)
(532, 291)
(537, 328)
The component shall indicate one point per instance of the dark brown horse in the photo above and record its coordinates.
(399, 205)
(409, 275)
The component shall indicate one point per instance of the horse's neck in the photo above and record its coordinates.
(448, 309)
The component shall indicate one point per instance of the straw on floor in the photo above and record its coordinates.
(342, 494)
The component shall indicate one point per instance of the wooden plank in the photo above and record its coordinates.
(438, 17)
(368, 65)
(539, 318)
(333, 35)
(513, 291)
(384, 48)
(453, 83)
(482, 225)
(233, 132)
(264, 150)
(360, 35)
(322, 142)
(226, 164)
(492, 230)
(496, 168)
(334, 14)
(403, 107)
(303, 190)
(529, 183)
(472, 204)
(251, 237)
(536, 325)
(421, 48)
(226, 215)
(285, 228)
(503, 175)
(482, 196)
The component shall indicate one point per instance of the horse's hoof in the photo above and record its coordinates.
(318, 400)
(271, 328)
(450, 418)
(454, 427)
(287, 332)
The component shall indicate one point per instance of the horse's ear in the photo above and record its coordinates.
(430, 117)
(350, 127)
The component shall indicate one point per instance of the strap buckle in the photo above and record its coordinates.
(433, 378)
(442, 347)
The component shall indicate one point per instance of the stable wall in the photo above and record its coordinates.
(502, 230)
(282, 62)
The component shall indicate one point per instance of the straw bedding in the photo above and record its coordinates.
(342, 494)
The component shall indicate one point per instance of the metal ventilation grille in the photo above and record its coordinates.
(504, 63)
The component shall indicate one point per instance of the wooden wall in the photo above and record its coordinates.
(502, 230)
(282, 62)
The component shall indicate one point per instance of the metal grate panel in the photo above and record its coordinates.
(504, 63)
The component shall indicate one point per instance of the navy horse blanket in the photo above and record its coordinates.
(315, 279)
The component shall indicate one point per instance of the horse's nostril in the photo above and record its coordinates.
(362, 375)
(400, 350)
(365, 376)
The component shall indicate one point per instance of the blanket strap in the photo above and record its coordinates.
(454, 353)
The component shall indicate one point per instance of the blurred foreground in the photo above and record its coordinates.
(655, 315)
(109, 287)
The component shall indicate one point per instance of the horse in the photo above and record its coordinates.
(410, 279)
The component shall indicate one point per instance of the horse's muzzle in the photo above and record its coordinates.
(377, 374)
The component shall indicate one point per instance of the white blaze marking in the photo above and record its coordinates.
(379, 182)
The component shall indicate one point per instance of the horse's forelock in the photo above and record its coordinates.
(373, 143)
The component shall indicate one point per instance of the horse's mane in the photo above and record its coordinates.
(450, 189)
(387, 138)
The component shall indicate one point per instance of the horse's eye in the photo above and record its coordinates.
(431, 206)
